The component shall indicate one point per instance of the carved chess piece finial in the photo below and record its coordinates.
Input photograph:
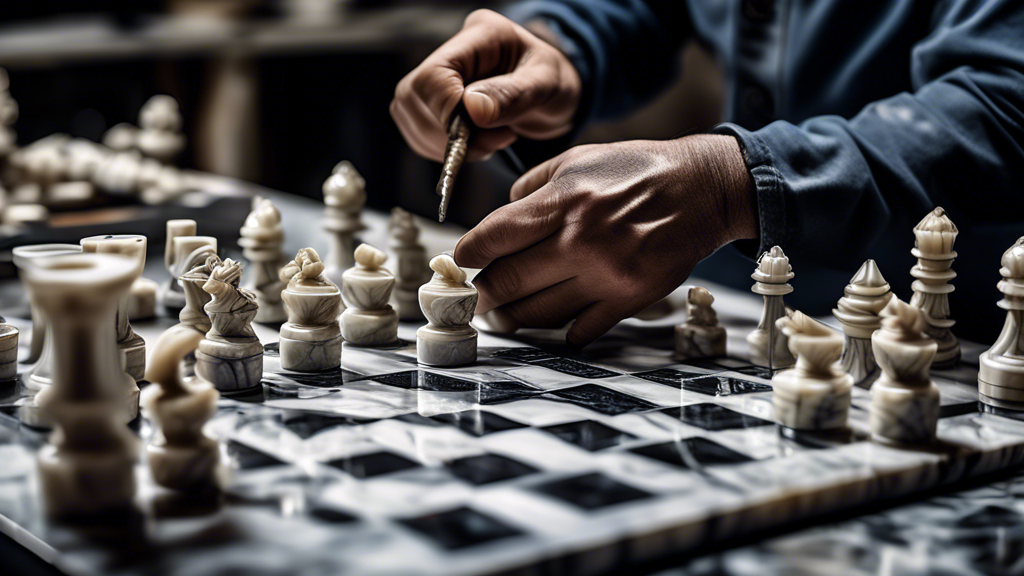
(344, 196)
(160, 136)
(904, 400)
(933, 248)
(311, 338)
(8, 116)
(262, 238)
(411, 270)
(180, 456)
(700, 336)
(767, 344)
(448, 302)
(368, 319)
(1001, 374)
(815, 393)
(858, 312)
(231, 357)
(88, 469)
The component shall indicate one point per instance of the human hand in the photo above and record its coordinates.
(603, 231)
(511, 83)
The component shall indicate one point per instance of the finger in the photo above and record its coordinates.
(509, 229)
(552, 307)
(485, 143)
(522, 274)
(501, 100)
(536, 177)
(417, 135)
(593, 322)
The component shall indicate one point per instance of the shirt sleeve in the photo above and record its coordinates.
(834, 189)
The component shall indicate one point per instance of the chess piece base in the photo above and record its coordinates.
(135, 357)
(369, 327)
(904, 416)
(700, 341)
(80, 485)
(800, 404)
(300, 355)
(230, 370)
(437, 346)
(192, 469)
(8, 353)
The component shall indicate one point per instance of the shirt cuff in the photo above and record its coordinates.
(768, 186)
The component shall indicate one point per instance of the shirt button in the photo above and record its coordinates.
(759, 10)
(756, 101)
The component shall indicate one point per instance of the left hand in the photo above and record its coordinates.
(603, 231)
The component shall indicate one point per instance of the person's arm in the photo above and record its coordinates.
(833, 191)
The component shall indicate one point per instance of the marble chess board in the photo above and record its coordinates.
(532, 458)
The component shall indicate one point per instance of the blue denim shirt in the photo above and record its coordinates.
(856, 118)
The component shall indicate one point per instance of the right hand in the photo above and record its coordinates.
(511, 82)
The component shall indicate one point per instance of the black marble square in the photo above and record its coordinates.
(668, 376)
(718, 385)
(327, 379)
(422, 380)
(714, 417)
(591, 491)
(308, 424)
(575, 368)
(951, 410)
(488, 468)
(690, 452)
(759, 371)
(375, 464)
(250, 458)
(408, 380)
(601, 399)
(589, 435)
(500, 392)
(460, 528)
(523, 354)
(331, 515)
(478, 423)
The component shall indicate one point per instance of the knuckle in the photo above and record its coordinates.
(504, 281)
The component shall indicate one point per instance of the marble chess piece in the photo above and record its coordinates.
(1001, 373)
(772, 276)
(199, 265)
(368, 319)
(181, 242)
(8, 351)
(231, 357)
(933, 247)
(311, 338)
(88, 468)
(904, 400)
(448, 301)
(700, 336)
(142, 299)
(858, 313)
(23, 257)
(180, 456)
(160, 134)
(128, 342)
(8, 116)
(121, 137)
(815, 394)
(411, 270)
(261, 241)
(344, 196)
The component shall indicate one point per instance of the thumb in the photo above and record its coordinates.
(501, 100)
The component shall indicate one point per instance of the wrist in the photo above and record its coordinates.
(727, 175)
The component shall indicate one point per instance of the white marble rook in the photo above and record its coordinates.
(933, 248)
(448, 301)
(231, 357)
(411, 270)
(23, 257)
(1001, 374)
(311, 338)
(814, 394)
(767, 344)
(700, 336)
(858, 313)
(261, 241)
(368, 319)
(344, 197)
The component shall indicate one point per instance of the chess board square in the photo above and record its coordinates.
(423, 380)
(488, 468)
(601, 399)
(718, 385)
(478, 423)
(331, 515)
(691, 450)
(713, 417)
(574, 368)
(668, 376)
(375, 464)
(408, 380)
(523, 354)
(591, 491)
(327, 379)
(308, 424)
(460, 528)
(951, 410)
(273, 349)
(500, 392)
(758, 371)
(250, 458)
(589, 435)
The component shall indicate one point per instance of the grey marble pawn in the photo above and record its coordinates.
(700, 336)
(368, 319)
(410, 265)
(815, 394)
(261, 241)
(1001, 374)
(448, 301)
(231, 356)
(767, 344)
(311, 338)
(858, 313)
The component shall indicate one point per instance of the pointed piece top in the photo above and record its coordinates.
(870, 276)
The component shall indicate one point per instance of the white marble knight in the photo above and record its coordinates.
(344, 196)
(767, 344)
(311, 338)
(160, 135)
(448, 301)
(368, 319)
(1001, 374)
(933, 247)
(858, 313)
(261, 242)
(904, 400)
(410, 264)
(700, 336)
(231, 356)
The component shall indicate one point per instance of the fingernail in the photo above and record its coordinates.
(483, 103)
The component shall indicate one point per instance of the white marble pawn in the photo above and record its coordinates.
(448, 301)
(231, 356)
(180, 456)
(904, 400)
(411, 270)
(128, 342)
(344, 197)
(261, 241)
(368, 319)
(767, 345)
(858, 313)
(700, 336)
(87, 470)
(311, 338)
(1001, 374)
(160, 135)
(8, 116)
(933, 247)
(815, 394)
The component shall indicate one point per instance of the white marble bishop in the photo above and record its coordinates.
(934, 237)
(814, 394)
(368, 319)
(448, 301)
(311, 338)
(767, 344)
(858, 313)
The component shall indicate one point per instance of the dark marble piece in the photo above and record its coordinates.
(460, 528)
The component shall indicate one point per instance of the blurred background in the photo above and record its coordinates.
(276, 92)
